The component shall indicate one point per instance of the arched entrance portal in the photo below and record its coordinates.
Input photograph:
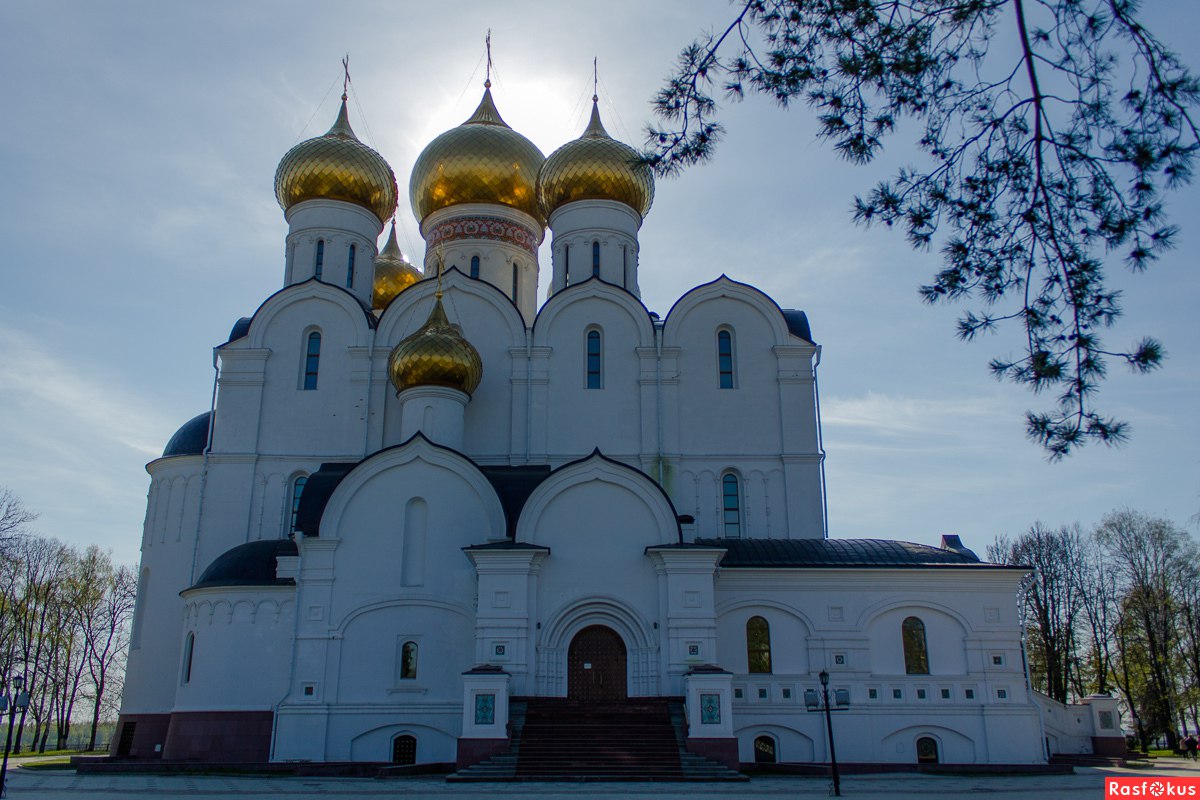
(596, 665)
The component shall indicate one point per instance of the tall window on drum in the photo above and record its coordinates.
(474, 266)
(297, 490)
(514, 282)
(350, 268)
(312, 360)
(595, 259)
(731, 506)
(725, 359)
(595, 364)
(319, 264)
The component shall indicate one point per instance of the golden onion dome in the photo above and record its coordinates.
(481, 161)
(337, 166)
(595, 167)
(436, 355)
(392, 273)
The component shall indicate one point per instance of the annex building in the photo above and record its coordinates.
(424, 507)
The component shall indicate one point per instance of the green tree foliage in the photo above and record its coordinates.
(1051, 129)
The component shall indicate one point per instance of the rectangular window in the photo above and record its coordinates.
(897, 694)
(762, 694)
(920, 694)
(731, 506)
(945, 694)
(969, 694)
(1002, 694)
(872, 694)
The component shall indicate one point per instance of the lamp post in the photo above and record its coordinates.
(19, 699)
(842, 702)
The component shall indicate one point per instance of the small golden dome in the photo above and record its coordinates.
(595, 167)
(392, 273)
(337, 166)
(436, 355)
(481, 161)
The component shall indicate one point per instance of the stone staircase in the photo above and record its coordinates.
(555, 739)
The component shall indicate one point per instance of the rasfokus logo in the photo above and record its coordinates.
(1151, 787)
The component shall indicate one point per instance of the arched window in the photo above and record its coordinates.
(319, 265)
(725, 358)
(404, 749)
(297, 490)
(916, 654)
(927, 750)
(625, 265)
(731, 506)
(764, 750)
(350, 268)
(566, 265)
(594, 363)
(189, 646)
(595, 259)
(312, 360)
(514, 292)
(408, 661)
(758, 645)
(474, 266)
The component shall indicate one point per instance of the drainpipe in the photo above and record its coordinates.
(212, 429)
(821, 446)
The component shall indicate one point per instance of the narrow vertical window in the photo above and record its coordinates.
(350, 268)
(514, 291)
(312, 360)
(595, 259)
(320, 262)
(731, 507)
(725, 358)
(189, 646)
(593, 360)
(566, 265)
(474, 266)
(625, 265)
(297, 490)
(758, 645)
(916, 654)
(408, 661)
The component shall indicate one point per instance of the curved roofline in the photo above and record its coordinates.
(596, 453)
(365, 307)
(497, 292)
(748, 286)
(597, 279)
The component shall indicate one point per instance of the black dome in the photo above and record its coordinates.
(250, 564)
(191, 438)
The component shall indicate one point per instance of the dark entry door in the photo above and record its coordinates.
(596, 665)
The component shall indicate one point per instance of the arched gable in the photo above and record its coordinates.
(359, 318)
(591, 291)
(597, 468)
(418, 448)
(409, 309)
(945, 632)
(729, 290)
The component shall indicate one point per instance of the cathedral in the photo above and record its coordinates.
(421, 501)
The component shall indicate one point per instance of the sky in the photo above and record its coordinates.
(138, 222)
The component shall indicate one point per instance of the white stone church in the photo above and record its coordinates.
(421, 501)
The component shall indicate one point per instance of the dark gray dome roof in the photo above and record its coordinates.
(191, 438)
(857, 553)
(250, 564)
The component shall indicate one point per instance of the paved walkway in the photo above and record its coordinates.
(66, 785)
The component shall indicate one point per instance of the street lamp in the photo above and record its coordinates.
(19, 699)
(841, 699)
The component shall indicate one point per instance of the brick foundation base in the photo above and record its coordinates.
(472, 751)
(723, 751)
(219, 736)
(149, 734)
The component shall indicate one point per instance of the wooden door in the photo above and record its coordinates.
(596, 665)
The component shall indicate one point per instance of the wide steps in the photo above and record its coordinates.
(633, 740)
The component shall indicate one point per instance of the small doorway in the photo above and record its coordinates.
(927, 750)
(596, 665)
(404, 750)
(764, 750)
